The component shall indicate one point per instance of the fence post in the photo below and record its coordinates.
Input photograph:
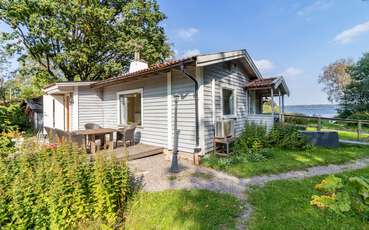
(319, 124)
(358, 130)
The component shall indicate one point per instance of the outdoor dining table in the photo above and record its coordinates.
(91, 134)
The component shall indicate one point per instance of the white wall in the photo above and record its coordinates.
(59, 111)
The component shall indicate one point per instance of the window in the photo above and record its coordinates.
(130, 107)
(228, 98)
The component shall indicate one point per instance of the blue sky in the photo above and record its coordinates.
(293, 38)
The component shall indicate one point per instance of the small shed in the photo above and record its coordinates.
(34, 111)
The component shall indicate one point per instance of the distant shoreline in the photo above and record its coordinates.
(324, 110)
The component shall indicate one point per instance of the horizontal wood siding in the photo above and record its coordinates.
(90, 106)
(154, 129)
(186, 123)
(228, 77)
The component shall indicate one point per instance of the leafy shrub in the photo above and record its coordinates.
(59, 188)
(286, 136)
(256, 142)
(343, 196)
(359, 116)
(252, 142)
(329, 184)
(12, 118)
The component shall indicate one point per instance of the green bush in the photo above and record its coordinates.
(12, 118)
(359, 116)
(343, 195)
(252, 142)
(256, 142)
(6, 145)
(286, 136)
(60, 188)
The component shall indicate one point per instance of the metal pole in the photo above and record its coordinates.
(174, 166)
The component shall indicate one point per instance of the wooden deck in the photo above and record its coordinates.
(136, 151)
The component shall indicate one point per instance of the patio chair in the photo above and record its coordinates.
(127, 134)
(51, 135)
(77, 139)
(62, 137)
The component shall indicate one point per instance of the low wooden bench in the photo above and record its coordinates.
(227, 141)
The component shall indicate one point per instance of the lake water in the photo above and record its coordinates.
(313, 110)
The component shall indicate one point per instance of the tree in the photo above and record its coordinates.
(335, 78)
(86, 40)
(27, 81)
(355, 97)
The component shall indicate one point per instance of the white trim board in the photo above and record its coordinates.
(169, 109)
(138, 90)
(200, 80)
(230, 116)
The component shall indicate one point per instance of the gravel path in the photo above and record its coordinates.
(155, 176)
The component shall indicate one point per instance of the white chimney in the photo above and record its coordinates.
(137, 64)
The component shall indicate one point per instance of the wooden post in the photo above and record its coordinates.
(280, 104)
(271, 101)
(319, 124)
(283, 108)
(358, 130)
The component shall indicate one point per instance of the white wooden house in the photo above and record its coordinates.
(230, 87)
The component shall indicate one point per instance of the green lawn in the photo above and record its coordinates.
(286, 160)
(285, 205)
(183, 209)
(344, 135)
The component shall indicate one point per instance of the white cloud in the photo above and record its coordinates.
(264, 65)
(189, 53)
(187, 33)
(315, 6)
(348, 35)
(291, 72)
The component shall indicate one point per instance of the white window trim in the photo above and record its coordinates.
(125, 92)
(230, 116)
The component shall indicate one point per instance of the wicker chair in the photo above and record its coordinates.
(70, 137)
(127, 134)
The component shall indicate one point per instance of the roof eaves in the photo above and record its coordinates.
(152, 69)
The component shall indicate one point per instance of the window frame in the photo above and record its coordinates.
(234, 90)
(126, 92)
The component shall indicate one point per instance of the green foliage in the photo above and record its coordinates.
(353, 195)
(59, 188)
(359, 116)
(85, 40)
(251, 143)
(330, 184)
(286, 136)
(13, 118)
(362, 186)
(356, 95)
(256, 142)
(6, 145)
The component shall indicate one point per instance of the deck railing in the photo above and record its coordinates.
(348, 129)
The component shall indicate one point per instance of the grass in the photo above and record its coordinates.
(345, 135)
(286, 160)
(183, 209)
(285, 205)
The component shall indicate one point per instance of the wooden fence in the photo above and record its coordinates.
(348, 129)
